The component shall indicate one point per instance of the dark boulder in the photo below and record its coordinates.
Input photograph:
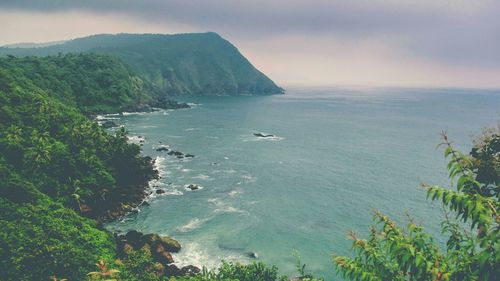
(170, 104)
(162, 243)
(152, 239)
(172, 270)
(165, 258)
(252, 255)
(109, 124)
(193, 187)
(262, 135)
(170, 245)
(134, 238)
(189, 155)
(160, 191)
(189, 270)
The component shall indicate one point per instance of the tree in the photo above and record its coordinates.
(395, 253)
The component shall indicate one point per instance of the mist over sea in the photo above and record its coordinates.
(336, 155)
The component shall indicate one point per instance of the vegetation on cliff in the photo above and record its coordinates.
(57, 165)
(198, 63)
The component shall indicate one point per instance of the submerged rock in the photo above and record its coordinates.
(175, 153)
(160, 191)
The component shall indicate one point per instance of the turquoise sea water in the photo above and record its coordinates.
(337, 155)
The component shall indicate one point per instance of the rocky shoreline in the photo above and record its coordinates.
(160, 248)
(126, 199)
(111, 205)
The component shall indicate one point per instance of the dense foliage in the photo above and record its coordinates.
(395, 253)
(201, 63)
(93, 83)
(56, 164)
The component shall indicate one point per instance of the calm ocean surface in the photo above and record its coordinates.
(337, 155)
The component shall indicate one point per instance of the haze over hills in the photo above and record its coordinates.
(194, 64)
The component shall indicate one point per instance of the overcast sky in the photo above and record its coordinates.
(424, 43)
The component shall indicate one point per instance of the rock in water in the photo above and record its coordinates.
(252, 255)
(193, 187)
(189, 270)
(261, 135)
(108, 124)
(170, 244)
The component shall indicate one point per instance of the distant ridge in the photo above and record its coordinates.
(179, 64)
(32, 45)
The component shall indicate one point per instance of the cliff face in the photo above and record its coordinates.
(194, 64)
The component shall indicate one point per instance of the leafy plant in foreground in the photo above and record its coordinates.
(395, 253)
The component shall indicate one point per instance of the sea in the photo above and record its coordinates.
(334, 155)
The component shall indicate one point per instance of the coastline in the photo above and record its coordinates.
(128, 199)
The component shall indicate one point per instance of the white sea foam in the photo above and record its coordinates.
(194, 253)
(106, 117)
(173, 192)
(186, 170)
(249, 178)
(234, 193)
(223, 207)
(133, 113)
(160, 165)
(191, 129)
(193, 224)
(136, 139)
(198, 254)
(202, 177)
(162, 146)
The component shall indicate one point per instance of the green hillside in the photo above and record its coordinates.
(58, 167)
(93, 83)
(196, 64)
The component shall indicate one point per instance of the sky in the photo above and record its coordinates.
(409, 43)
